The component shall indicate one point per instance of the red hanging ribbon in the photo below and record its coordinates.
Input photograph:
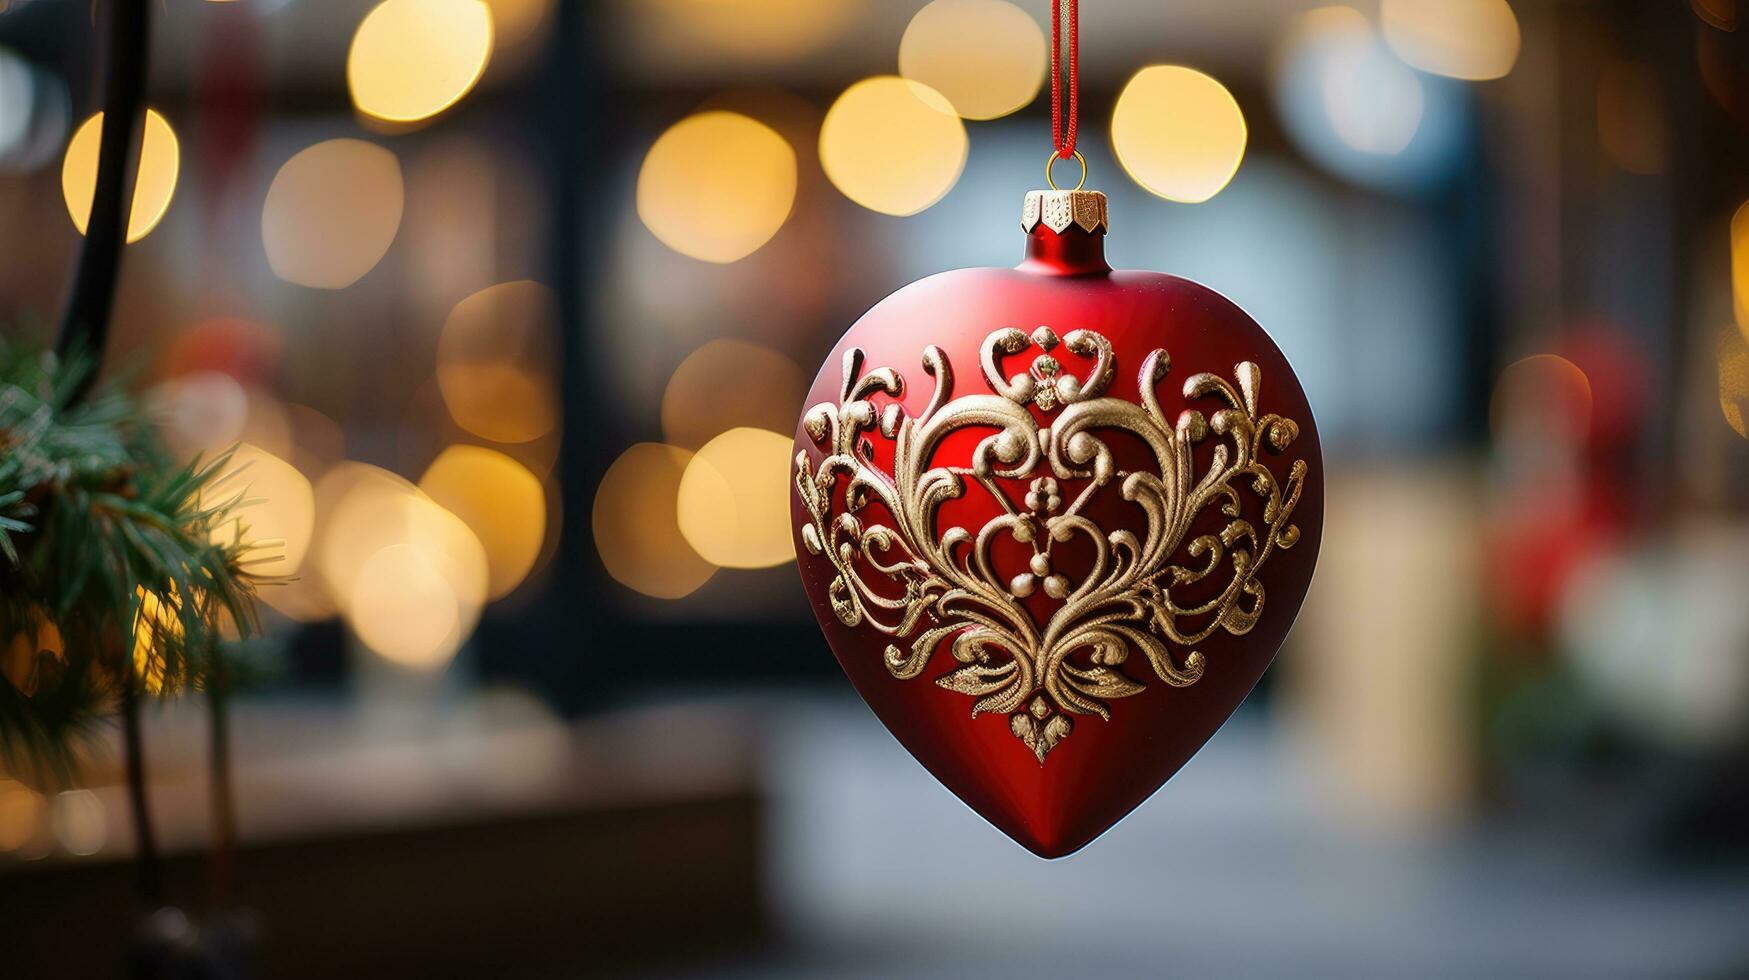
(1063, 136)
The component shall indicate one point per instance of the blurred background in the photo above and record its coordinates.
(545, 698)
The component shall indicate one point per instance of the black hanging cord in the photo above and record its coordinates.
(147, 859)
(85, 330)
(85, 326)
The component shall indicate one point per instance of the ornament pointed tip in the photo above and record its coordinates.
(1048, 848)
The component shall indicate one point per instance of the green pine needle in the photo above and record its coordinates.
(102, 539)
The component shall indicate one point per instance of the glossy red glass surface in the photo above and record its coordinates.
(1103, 769)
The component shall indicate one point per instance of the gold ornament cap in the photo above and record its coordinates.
(1058, 209)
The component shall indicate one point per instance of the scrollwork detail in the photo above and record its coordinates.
(900, 574)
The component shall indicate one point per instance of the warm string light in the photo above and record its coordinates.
(330, 215)
(893, 145)
(1739, 232)
(1178, 132)
(733, 499)
(986, 57)
(495, 362)
(332, 212)
(154, 184)
(637, 527)
(500, 501)
(412, 59)
(717, 186)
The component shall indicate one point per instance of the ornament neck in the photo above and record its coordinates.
(1072, 253)
(1065, 233)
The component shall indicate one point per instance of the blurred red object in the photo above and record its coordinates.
(1566, 426)
(243, 349)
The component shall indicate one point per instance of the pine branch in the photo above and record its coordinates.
(110, 568)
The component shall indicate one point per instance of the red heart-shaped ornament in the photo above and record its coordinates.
(1055, 521)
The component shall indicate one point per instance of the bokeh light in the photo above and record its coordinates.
(892, 145)
(1374, 101)
(332, 212)
(1469, 39)
(154, 181)
(516, 21)
(500, 501)
(412, 59)
(317, 445)
(404, 608)
(1351, 105)
(208, 412)
(277, 512)
(156, 622)
(312, 597)
(1740, 267)
(986, 57)
(762, 30)
(410, 577)
(1178, 132)
(495, 360)
(1544, 394)
(734, 500)
(21, 813)
(637, 532)
(717, 185)
(201, 412)
(698, 405)
(361, 512)
(79, 821)
(1733, 353)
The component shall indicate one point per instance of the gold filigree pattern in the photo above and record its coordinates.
(925, 586)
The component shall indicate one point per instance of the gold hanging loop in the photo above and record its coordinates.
(1051, 162)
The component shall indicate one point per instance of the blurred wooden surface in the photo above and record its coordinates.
(442, 846)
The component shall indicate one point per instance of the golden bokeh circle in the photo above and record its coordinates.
(495, 362)
(409, 576)
(1474, 40)
(637, 532)
(734, 499)
(154, 181)
(404, 609)
(500, 501)
(1178, 132)
(332, 212)
(1740, 267)
(515, 22)
(699, 403)
(892, 145)
(412, 59)
(359, 507)
(275, 509)
(717, 185)
(986, 57)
